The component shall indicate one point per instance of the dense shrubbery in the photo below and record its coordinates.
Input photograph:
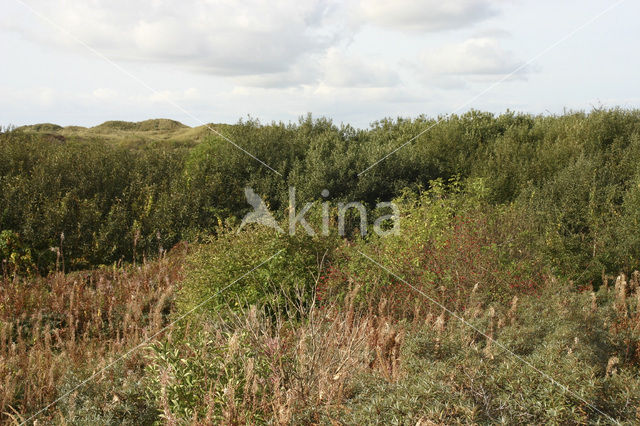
(283, 284)
(91, 202)
(390, 344)
(371, 346)
(320, 334)
(575, 173)
(513, 224)
(452, 243)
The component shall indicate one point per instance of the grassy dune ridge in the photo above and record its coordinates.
(159, 129)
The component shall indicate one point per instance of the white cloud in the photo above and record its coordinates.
(343, 70)
(276, 45)
(475, 56)
(301, 73)
(104, 94)
(335, 68)
(218, 37)
(284, 43)
(163, 96)
(425, 15)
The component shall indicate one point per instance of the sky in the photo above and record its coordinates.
(83, 62)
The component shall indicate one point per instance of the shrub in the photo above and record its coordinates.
(15, 257)
(211, 376)
(451, 244)
(218, 276)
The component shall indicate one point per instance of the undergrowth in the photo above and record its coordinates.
(456, 320)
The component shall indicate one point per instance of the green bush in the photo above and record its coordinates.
(117, 398)
(451, 243)
(192, 378)
(218, 275)
(15, 257)
(126, 201)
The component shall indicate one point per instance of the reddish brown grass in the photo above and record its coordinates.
(51, 325)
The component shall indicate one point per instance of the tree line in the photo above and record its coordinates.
(83, 202)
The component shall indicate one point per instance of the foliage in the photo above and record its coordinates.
(249, 355)
(15, 258)
(451, 243)
(221, 274)
(552, 361)
(207, 377)
(574, 173)
(508, 295)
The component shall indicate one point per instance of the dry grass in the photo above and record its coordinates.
(53, 325)
(315, 367)
(277, 368)
(625, 321)
(332, 363)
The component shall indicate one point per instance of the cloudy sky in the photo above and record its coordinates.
(87, 61)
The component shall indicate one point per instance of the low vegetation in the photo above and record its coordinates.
(509, 295)
(124, 132)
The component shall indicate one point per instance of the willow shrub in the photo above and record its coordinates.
(257, 266)
(451, 243)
